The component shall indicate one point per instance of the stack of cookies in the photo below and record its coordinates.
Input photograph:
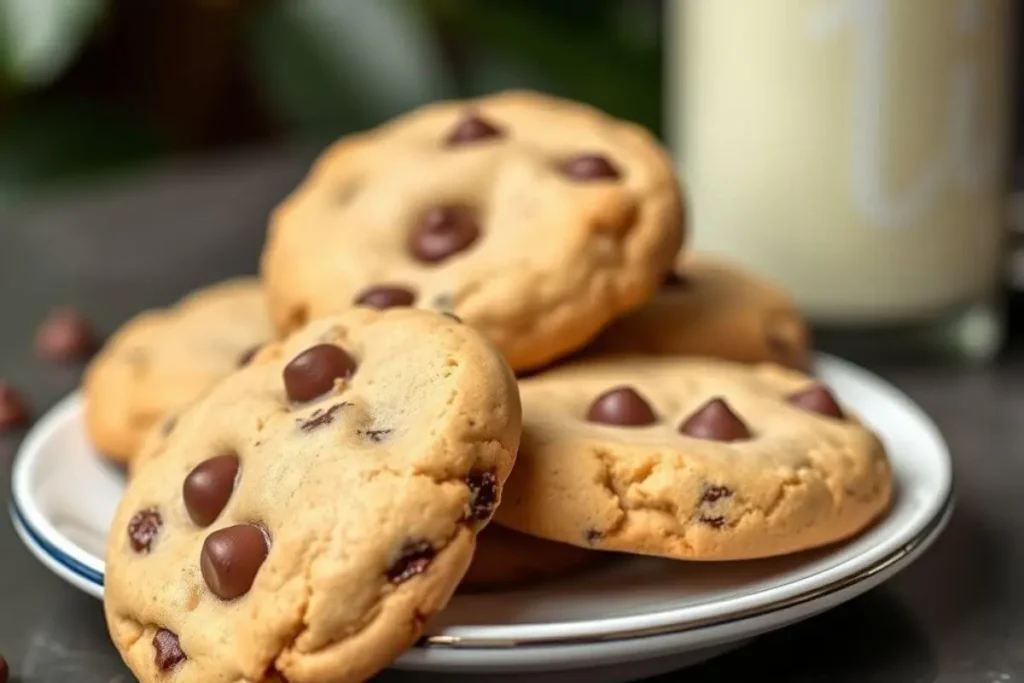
(480, 310)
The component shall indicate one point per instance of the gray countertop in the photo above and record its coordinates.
(956, 615)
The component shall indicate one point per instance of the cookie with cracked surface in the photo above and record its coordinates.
(536, 220)
(506, 558)
(306, 516)
(691, 458)
(162, 360)
(710, 308)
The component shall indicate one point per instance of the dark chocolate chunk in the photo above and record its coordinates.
(386, 296)
(65, 335)
(443, 232)
(14, 410)
(590, 167)
(621, 406)
(208, 488)
(715, 421)
(231, 558)
(470, 129)
(313, 372)
(143, 528)
(167, 651)
(483, 489)
(413, 559)
(817, 399)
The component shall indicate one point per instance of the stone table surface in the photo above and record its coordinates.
(120, 245)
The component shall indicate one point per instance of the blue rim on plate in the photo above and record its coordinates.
(69, 563)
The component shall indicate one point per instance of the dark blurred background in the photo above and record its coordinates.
(105, 86)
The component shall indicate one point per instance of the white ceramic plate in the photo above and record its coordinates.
(632, 618)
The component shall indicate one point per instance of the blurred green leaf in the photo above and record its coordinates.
(339, 65)
(39, 38)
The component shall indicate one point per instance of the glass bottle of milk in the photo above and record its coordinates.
(855, 151)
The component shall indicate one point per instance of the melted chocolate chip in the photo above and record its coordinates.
(443, 232)
(386, 296)
(817, 399)
(376, 435)
(65, 335)
(208, 488)
(313, 372)
(167, 651)
(14, 410)
(244, 359)
(715, 421)
(483, 489)
(143, 528)
(590, 167)
(321, 417)
(713, 521)
(413, 559)
(713, 493)
(592, 536)
(621, 406)
(472, 128)
(231, 557)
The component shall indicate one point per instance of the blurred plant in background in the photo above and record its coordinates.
(93, 86)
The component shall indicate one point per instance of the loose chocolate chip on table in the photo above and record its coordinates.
(208, 488)
(321, 417)
(143, 528)
(65, 335)
(231, 557)
(713, 493)
(472, 129)
(413, 559)
(443, 232)
(14, 410)
(312, 373)
(167, 651)
(817, 399)
(621, 406)
(590, 167)
(483, 489)
(244, 359)
(386, 296)
(715, 421)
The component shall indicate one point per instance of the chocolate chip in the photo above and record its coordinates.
(621, 406)
(65, 335)
(321, 417)
(312, 373)
(817, 399)
(674, 280)
(14, 410)
(715, 421)
(375, 435)
(443, 232)
(231, 557)
(713, 521)
(386, 296)
(244, 359)
(592, 536)
(590, 167)
(167, 650)
(713, 493)
(208, 488)
(5, 671)
(472, 128)
(413, 559)
(483, 490)
(143, 528)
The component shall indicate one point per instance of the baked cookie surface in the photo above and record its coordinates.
(535, 220)
(710, 308)
(162, 360)
(691, 459)
(307, 516)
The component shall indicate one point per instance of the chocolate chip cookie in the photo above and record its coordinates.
(162, 360)
(506, 558)
(308, 515)
(533, 219)
(709, 308)
(691, 459)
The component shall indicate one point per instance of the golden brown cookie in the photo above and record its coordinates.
(507, 558)
(710, 308)
(536, 220)
(162, 360)
(692, 459)
(309, 513)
